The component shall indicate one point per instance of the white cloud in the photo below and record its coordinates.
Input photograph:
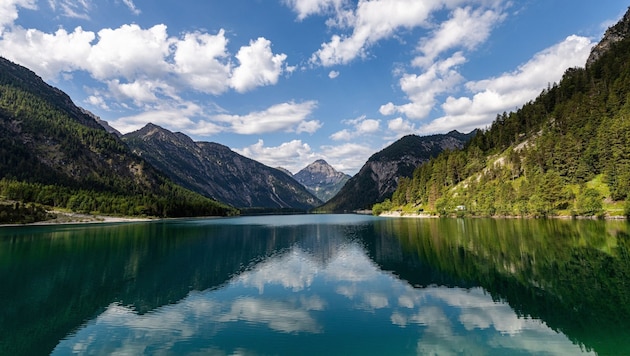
(371, 22)
(305, 8)
(98, 101)
(142, 92)
(172, 117)
(343, 135)
(48, 54)
(308, 126)
(333, 74)
(72, 8)
(467, 28)
(293, 155)
(130, 52)
(348, 157)
(258, 66)
(288, 117)
(132, 7)
(9, 11)
(202, 61)
(400, 126)
(511, 90)
(442, 76)
(361, 126)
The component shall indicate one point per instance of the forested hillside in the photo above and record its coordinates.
(53, 153)
(379, 177)
(565, 153)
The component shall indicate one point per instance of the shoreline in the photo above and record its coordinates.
(398, 214)
(66, 218)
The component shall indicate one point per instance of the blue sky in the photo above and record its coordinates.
(287, 82)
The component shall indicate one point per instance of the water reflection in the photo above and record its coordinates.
(317, 284)
(329, 297)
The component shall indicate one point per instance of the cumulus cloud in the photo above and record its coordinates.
(422, 89)
(9, 11)
(288, 117)
(361, 126)
(510, 90)
(258, 66)
(202, 61)
(400, 126)
(333, 74)
(147, 69)
(131, 53)
(142, 92)
(48, 54)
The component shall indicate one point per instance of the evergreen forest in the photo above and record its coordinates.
(565, 153)
(55, 155)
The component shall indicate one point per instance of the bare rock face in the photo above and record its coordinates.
(322, 179)
(614, 34)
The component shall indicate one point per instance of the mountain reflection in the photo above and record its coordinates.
(317, 284)
(324, 297)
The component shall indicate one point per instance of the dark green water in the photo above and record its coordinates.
(315, 285)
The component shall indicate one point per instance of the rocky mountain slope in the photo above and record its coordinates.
(321, 179)
(54, 153)
(379, 176)
(215, 171)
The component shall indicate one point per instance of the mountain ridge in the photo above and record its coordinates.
(215, 171)
(53, 153)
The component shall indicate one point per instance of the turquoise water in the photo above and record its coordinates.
(316, 284)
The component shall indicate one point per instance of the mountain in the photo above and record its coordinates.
(321, 179)
(565, 153)
(54, 153)
(378, 178)
(215, 171)
(285, 171)
(614, 34)
(103, 123)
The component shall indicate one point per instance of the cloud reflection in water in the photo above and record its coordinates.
(290, 297)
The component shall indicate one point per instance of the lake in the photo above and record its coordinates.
(316, 284)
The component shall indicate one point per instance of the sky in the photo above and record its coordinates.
(287, 82)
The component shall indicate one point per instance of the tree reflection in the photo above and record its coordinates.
(574, 275)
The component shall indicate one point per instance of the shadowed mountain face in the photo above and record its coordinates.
(378, 178)
(321, 179)
(216, 171)
(55, 153)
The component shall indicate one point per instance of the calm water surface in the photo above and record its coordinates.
(316, 284)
